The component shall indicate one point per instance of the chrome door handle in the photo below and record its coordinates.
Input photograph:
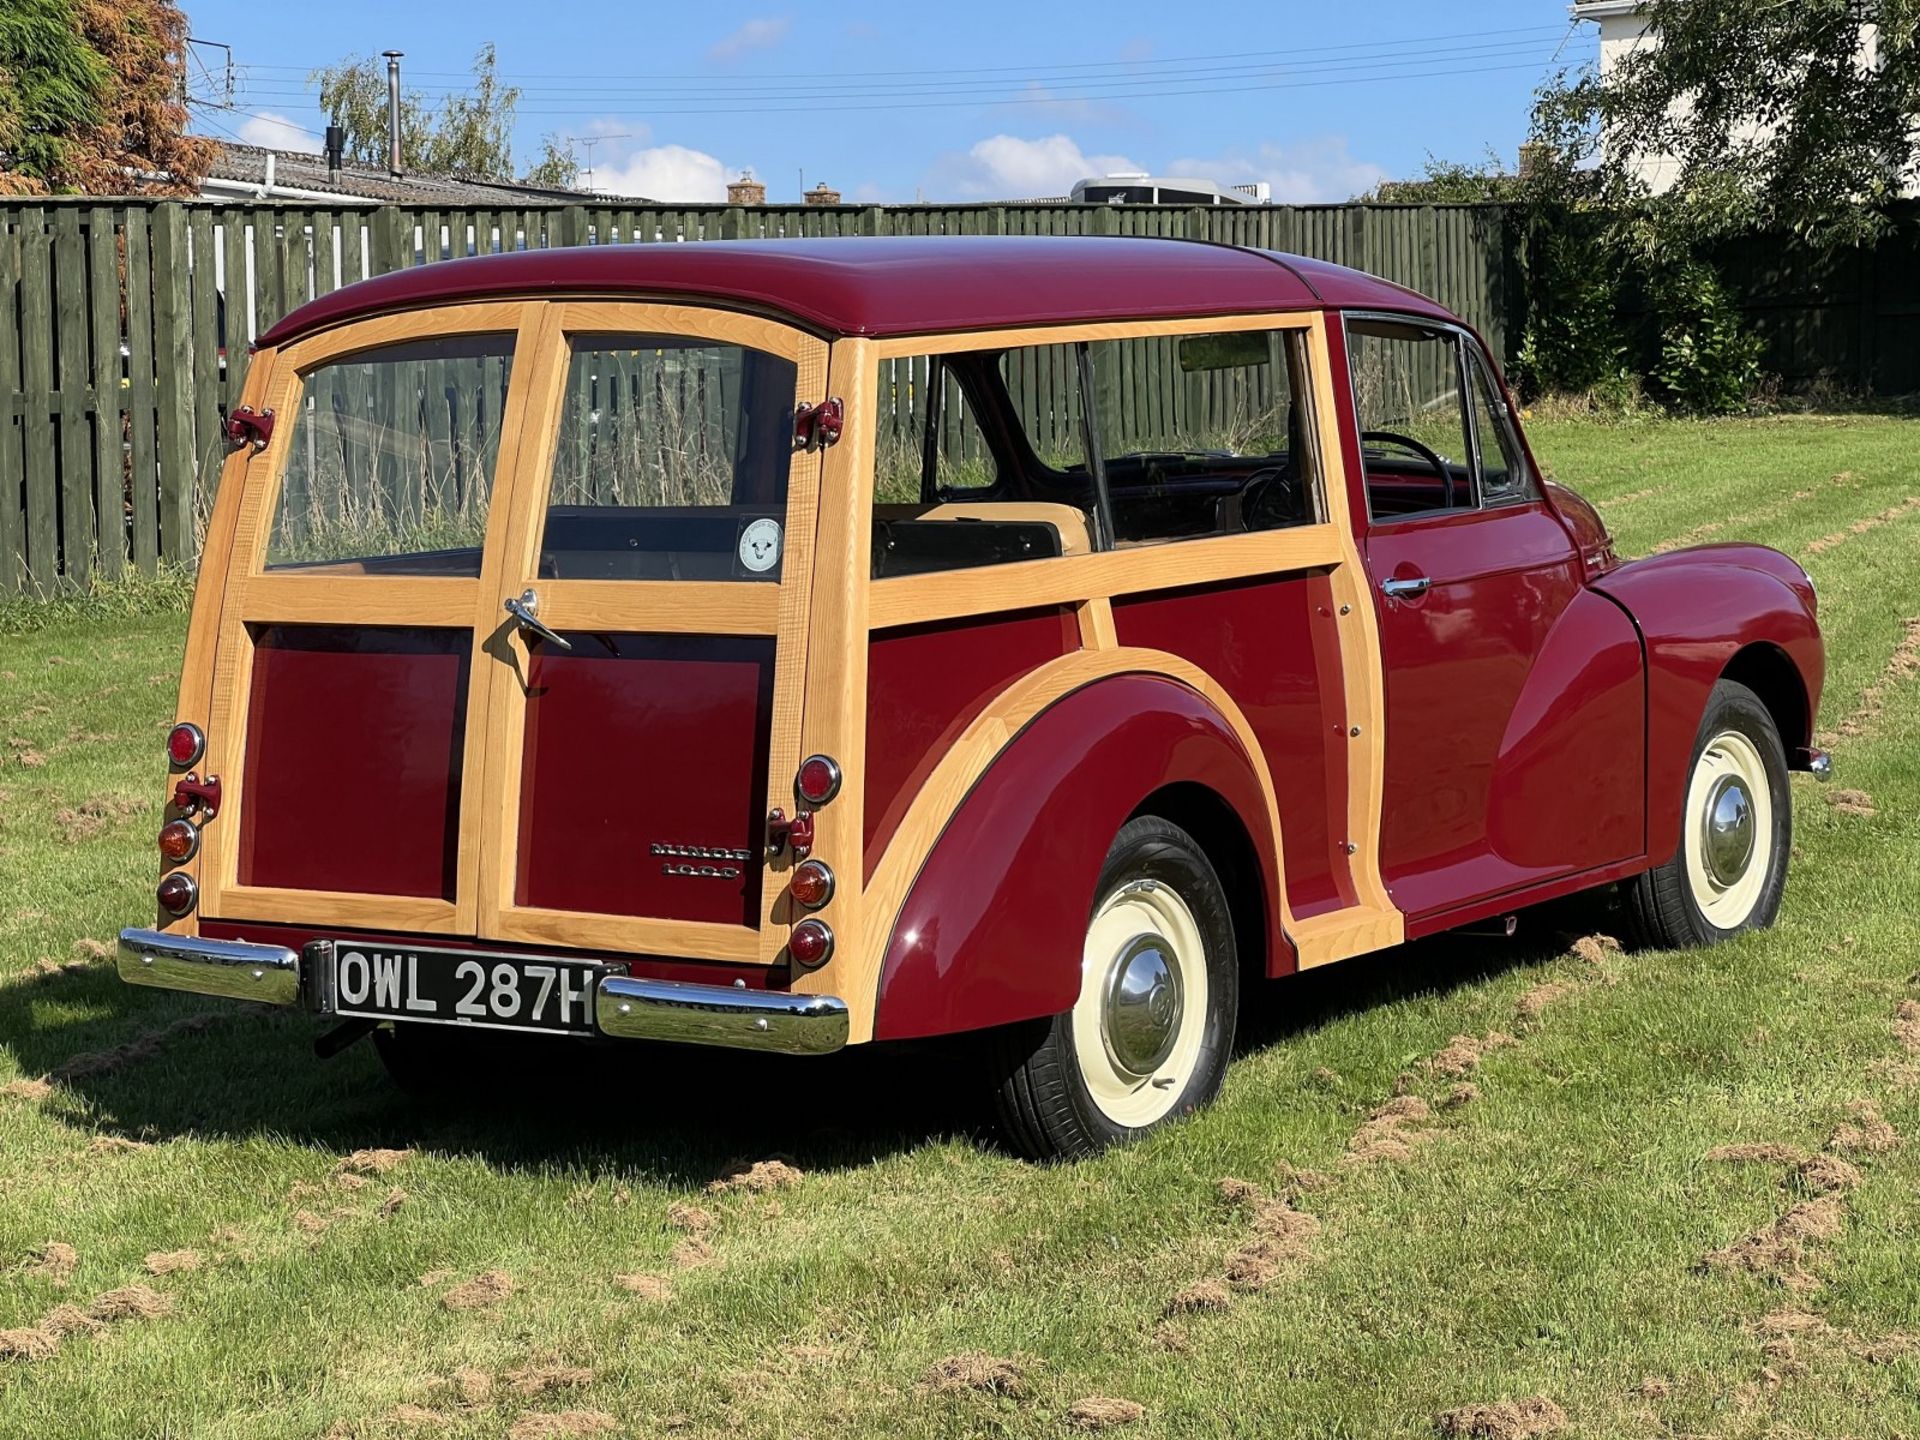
(526, 612)
(1408, 588)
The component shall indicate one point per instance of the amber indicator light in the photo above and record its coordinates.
(819, 780)
(811, 944)
(179, 839)
(185, 744)
(812, 884)
(177, 893)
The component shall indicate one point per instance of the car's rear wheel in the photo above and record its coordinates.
(1736, 833)
(1148, 1038)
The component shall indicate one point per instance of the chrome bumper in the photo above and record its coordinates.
(769, 1020)
(230, 968)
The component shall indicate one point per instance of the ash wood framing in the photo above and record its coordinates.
(821, 632)
(239, 592)
(720, 608)
(1089, 584)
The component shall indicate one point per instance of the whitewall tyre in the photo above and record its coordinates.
(1736, 832)
(1149, 1035)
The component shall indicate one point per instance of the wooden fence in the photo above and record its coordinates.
(124, 327)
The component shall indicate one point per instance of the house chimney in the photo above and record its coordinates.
(821, 195)
(746, 190)
(393, 109)
(336, 146)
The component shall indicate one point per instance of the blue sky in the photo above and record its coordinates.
(983, 100)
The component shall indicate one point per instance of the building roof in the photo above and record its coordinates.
(303, 174)
(904, 285)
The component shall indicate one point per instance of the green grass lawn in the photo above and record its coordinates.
(1546, 1235)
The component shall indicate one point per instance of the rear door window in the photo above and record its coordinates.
(391, 466)
(671, 462)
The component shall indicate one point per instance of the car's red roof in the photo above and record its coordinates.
(895, 285)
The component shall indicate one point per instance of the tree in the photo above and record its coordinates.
(1795, 117)
(558, 168)
(90, 98)
(1449, 182)
(470, 135)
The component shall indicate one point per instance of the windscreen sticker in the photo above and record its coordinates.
(760, 546)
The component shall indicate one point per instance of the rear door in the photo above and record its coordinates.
(648, 704)
(398, 753)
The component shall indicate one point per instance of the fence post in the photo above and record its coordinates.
(573, 225)
(173, 348)
(392, 250)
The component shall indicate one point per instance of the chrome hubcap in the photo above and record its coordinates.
(1141, 1004)
(1727, 846)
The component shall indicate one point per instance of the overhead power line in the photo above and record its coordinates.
(694, 92)
(1125, 66)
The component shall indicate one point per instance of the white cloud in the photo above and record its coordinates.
(1301, 172)
(1005, 167)
(761, 34)
(665, 172)
(277, 132)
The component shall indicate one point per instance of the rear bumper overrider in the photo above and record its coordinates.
(624, 1008)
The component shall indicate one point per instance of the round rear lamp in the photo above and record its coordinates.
(811, 944)
(179, 841)
(819, 780)
(812, 884)
(185, 744)
(177, 893)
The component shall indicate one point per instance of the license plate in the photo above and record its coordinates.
(460, 987)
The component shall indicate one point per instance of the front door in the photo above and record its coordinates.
(401, 754)
(1513, 697)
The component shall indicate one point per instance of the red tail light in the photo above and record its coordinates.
(811, 944)
(185, 744)
(177, 893)
(179, 840)
(819, 780)
(812, 884)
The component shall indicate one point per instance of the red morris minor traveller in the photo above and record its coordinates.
(794, 645)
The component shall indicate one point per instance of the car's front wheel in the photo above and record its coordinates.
(1149, 1036)
(1736, 833)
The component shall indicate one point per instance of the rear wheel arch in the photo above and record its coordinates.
(999, 898)
(1222, 834)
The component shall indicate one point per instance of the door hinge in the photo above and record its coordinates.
(246, 426)
(817, 426)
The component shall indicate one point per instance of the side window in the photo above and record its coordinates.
(1414, 443)
(1204, 434)
(390, 466)
(994, 456)
(979, 460)
(671, 461)
(1503, 464)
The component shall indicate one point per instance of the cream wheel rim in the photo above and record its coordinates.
(1729, 830)
(1142, 1010)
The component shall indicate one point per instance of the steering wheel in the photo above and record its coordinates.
(1270, 500)
(1407, 442)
